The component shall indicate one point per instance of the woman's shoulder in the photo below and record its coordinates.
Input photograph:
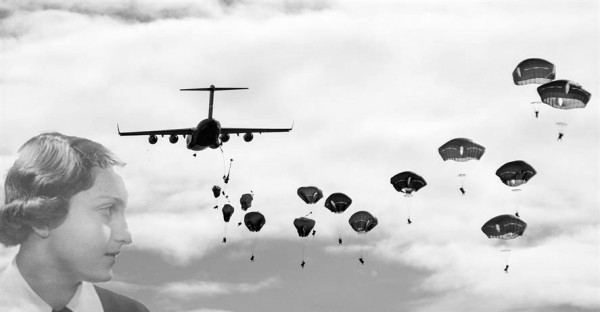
(113, 302)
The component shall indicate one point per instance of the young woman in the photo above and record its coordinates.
(65, 207)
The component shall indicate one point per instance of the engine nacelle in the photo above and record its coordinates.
(152, 139)
(173, 138)
(225, 137)
(248, 136)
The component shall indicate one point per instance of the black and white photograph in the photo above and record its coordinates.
(263, 156)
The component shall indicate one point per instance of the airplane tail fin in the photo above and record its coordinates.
(212, 90)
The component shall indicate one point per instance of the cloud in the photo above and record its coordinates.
(467, 273)
(127, 11)
(192, 289)
(126, 287)
(143, 11)
(179, 237)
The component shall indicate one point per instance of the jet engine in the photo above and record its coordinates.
(248, 136)
(225, 137)
(173, 138)
(152, 139)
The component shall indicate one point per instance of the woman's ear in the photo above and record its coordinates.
(42, 231)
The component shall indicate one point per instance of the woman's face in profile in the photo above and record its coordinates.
(85, 246)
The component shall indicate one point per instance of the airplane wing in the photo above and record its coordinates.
(184, 131)
(255, 130)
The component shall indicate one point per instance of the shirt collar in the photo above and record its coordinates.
(17, 295)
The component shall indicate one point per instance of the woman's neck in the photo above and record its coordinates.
(45, 277)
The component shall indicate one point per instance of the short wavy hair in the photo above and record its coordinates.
(50, 169)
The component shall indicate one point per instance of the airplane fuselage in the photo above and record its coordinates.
(208, 132)
(205, 135)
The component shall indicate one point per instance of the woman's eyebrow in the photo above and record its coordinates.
(119, 200)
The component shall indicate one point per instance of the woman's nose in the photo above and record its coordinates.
(122, 234)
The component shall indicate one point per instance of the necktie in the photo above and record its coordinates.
(65, 309)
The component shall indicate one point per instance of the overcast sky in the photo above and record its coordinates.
(373, 89)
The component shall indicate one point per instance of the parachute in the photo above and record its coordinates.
(246, 201)
(227, 212)
(461, 149)
(338, 203)
(407, 182)
(504, 227)
(304, 226)
(254, 221)
(310, 194)
(216, 191)
(534, 71)
(226, 176)
(515, 173)
(561, 129)
(564, 94)
(362, 222)
(536, 108)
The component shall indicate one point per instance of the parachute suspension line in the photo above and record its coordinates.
(536, 108)
(226, 177)
(461, 176)
(303, 244)
(408, 204)
(561, 129)
(222, 157)
(253, 246)
(255, 243)
(506, 257)
(339, 229)
(362, 245)
(516, 192)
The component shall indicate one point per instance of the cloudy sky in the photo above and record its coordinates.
(373, 89)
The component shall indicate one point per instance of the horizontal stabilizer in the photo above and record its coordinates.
(212, 88)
